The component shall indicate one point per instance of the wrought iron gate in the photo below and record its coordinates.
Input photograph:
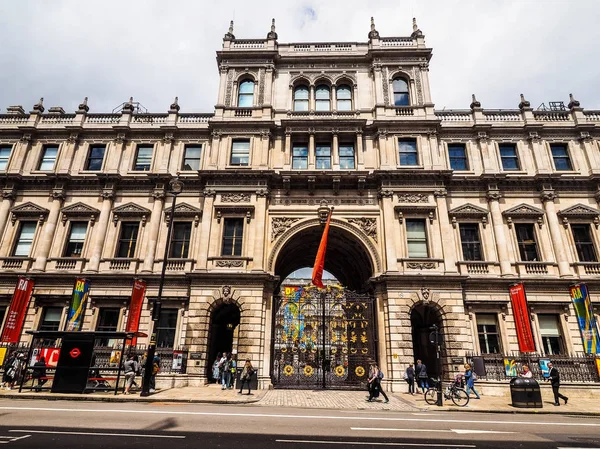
(323, 338)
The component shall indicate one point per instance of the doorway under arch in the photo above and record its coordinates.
(422, 318)
(224, 327)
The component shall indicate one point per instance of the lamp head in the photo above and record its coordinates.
(175, 186)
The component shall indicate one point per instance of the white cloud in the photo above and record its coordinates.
(108, 50)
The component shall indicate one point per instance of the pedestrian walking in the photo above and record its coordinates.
(246, 376)
(14, 370)
(130, 369)
(526, 373)
(375, 385)
(226, 379)
(39, 373)
(554, 377)
(155, 371)
(233, 369)
(221, 362)
(7, 377)
(470, 378)
(422, 376)
(409, 376)
(215, 368)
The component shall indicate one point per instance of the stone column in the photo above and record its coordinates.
(114, 155)
(494, 196)
(448, 246)
(387, 197)
(383, 155)
(540, 155)
(486, 157)
(21, 152)
(167, 150)
(47, 237)
(335, 151)
(157, 210)
(8, 199)
(260, 218)
(107, 194)
(207, 218)
(214, 149)
(264, 156)
(287, 149)
(311, 149)
(360, 157)
(68, 154)
(548, 196)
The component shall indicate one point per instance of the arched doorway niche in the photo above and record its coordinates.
(224, 330)
(423, 316)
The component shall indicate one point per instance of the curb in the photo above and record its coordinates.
(120, 399)
(510, 411)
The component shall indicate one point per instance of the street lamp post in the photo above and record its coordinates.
(175, 188)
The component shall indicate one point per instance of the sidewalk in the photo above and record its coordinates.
(502, 404)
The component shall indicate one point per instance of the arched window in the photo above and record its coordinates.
(301, 98)
(344, 98)
(400, 92)
(246, 94)
(323, 97)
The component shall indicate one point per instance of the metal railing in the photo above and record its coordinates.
(575, 368)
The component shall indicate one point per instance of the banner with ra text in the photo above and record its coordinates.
(135, 308)
(585, 316)
(518, 301)
(78, 305)
(17, 311)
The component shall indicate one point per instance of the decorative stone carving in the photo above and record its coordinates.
(226, 291)
(468, 211)
(184, 210)
(281, 224)
(226, 263)
(418, 84)
(386, 87)
(229, 87)
(525, 212)
(120, 138)
(425, 293)
(28, 210)
(368, 225)
(421, 265)
(580, 212)
(412, 198)
(130, 210)
(261, 86)
(235, 197)
(79, 211)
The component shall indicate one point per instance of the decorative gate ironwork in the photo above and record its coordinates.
(323, 338)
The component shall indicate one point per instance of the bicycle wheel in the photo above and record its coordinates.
(431, 396)
(459, 397)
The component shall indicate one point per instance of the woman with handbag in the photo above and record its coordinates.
(470, 377)
(246, 376)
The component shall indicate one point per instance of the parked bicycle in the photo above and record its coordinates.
(452, 392)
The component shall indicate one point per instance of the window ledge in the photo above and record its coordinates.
(462, 172)
(231, 258)
(419, 259)
(43, 172)
(514, 172)
(410, 167)
(567, 172)
(239, 167)
(138, 172)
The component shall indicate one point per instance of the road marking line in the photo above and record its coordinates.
(577, 447)
(13, 439)
(370, 443)
(136, 435)
(459, 431)
(318, 417)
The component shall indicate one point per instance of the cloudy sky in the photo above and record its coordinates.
(154, 50)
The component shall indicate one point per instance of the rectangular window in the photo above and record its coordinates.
(76, 239)
(166, 328)
(550, 332)
(233, 234)
(408, 152)
(25, 238)
(416, 238)
(526, 241)
(4, 156)
(128, 239)
(458, 156)
(48, 159)
(487, 332)
(180, 240)
(108, 320)
(50, 318)
(191, 159)
(584, 243)
(470, 241)
(509, 157)
(300, 156)
(240, 153)
(323, 152)
(347, 156)
(143, 158)
(95, 158)
(560, 155)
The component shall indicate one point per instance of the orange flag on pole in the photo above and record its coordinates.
(317, 274)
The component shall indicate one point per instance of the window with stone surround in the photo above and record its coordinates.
(5, 151)
(323, 98)
(191, 158)
(240, 153)
(552, 341)
(143, 158)
(458, 156)
(301, 96)
(347, 161)
(560, 156)
(300, 156)
(407, 152)
(128, 239)
(323, 155)
(50, 318)
(76, 239)
(108, 321)
(246, 94)
(95, 158)
(509, 157)
(584, 244)
(416, 238)
(48, 159)
(180, 240)
(24, 239)
(487, 333)
(470, 241)
(166, 328)
(233, 236)
(526, 241)
(400, 89)
(343, 95)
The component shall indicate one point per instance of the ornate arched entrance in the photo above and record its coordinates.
(423, 317)
(324, 338)
(224, 327)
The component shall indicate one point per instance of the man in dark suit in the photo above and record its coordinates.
(555, 381)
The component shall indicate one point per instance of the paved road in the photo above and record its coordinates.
(49, 424)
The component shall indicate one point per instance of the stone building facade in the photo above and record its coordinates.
(436, 212)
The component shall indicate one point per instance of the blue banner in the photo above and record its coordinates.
(586, 318)
(78, 304)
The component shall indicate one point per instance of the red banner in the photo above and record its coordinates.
(17, 311)
(135, 307)
(317, 274)
(521, 315)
